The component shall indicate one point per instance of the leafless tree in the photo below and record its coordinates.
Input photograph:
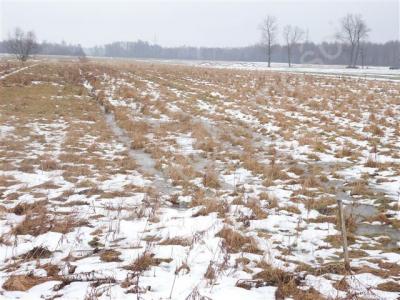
(269, 30)
(292, 36)
(353, 31)
(22, 44)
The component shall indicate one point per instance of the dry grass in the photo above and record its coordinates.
(143, 262)
(287, 283)
(273, 276)
(210, 205)
(322, 205)
(204, 140)
(303, 110)
(176, 241)
(236, 242)
(49, 165)
(110, 256)
(210, 178)
(36, 253)
(255, 206)
(36, 207)
(389, 286)
(41, 222)
(360, 187)
(372, 163)
(23, 282)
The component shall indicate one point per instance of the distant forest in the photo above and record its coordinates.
(46, 48)
(371, 54)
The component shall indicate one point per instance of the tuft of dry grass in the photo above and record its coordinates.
(23, 282)
(210, 178)
(287, 283)
(23, 208)
(389, 286)
(372, 163)
(36, 253)
(255, 206)
(274, 276)
(49, 165)
(360, 187)
(145, 261)
(210, 206)
(176, 241)
(110, 256)
(344, 152)
(204, 140)
(236, 242)
(41, 222)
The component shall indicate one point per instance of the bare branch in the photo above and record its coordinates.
(269, 30)
(292, 36)
(353, 30)
(22, 44)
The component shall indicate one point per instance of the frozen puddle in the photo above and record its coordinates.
(380, 230)
(363, 211)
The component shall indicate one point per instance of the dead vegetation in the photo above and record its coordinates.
(23, 282)
(217, 149)
(236, 242)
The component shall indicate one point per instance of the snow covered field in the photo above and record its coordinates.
(146, 180)
(369, 72)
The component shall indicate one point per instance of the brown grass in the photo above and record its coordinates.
(36, 253)
(23, 282)
(110, 256)
(360, 187)
(176, 241)
(24, 208)
(371, 163)
(273, 276)
(210, 205)
(41, 222)
(287, 283)
(49, 165)
(236, 242)
(255, 206)
(143, 262)
(210, 178)
(389, 286)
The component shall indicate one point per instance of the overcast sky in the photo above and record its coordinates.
(196, 23)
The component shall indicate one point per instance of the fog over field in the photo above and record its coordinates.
(191, 23)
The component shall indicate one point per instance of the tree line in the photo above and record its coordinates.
(333, 53)
(24, 44)
(350, 47)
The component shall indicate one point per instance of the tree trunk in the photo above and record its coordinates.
(356, 54)
(351, 55)
(269, 55)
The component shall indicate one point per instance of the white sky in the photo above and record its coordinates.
(195, 23)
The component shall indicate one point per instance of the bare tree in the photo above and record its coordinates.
(269, 30)
(353, 31)
(22, 44)
(292, 36)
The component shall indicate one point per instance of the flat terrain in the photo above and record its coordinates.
(368, 72)
(141, 180)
